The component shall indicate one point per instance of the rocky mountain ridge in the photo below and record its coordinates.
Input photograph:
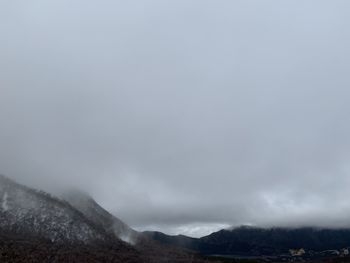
(35, 213)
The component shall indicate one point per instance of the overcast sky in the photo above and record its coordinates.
(182, 116)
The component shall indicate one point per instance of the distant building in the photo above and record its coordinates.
(297, 252)
(344, 252)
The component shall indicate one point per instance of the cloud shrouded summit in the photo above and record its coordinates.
(183, 116)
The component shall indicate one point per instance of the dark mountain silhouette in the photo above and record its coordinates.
(177, 241)
(260, 241)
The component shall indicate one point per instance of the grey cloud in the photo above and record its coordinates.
(177, 114)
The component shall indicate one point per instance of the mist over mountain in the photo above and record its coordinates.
(200, 114)
(176, 123)
(95, 213)
(37, 227)
(25, 211)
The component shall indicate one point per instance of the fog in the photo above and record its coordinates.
(181, 116)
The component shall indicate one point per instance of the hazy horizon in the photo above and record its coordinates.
(181, 116)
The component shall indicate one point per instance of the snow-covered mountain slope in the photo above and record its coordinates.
(36, 227)
(95, 213)
(29, 212)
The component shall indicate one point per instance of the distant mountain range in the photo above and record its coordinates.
(254, 241)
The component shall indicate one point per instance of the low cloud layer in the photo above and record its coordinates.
(182, 116)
